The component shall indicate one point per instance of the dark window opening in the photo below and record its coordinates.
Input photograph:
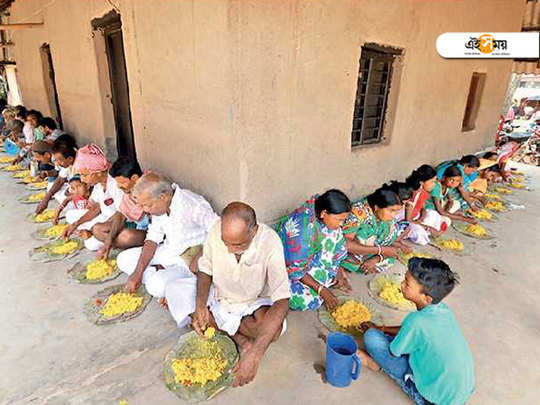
(473, 101)
(374, 77)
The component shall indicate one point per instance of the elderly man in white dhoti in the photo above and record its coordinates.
(180, 220)
(242, 287)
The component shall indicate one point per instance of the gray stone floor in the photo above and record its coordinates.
(50, 354)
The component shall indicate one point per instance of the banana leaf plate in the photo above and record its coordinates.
(192, 346)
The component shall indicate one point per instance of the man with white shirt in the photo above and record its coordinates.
(180, 219)
(242, 287)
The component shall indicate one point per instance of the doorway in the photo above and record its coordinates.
(110, 29)
(49, 80)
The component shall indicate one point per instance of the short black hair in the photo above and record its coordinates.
(65, 150)
(75, 178)
(434, 275)
(383, 198)
(332, 201)
(125, 167)
(35, 113)
(66, 139)
(403, 190)
(20, 111)
(452, 171)
(48, 122)
(489, 155)
(423, 173)
(470, 160)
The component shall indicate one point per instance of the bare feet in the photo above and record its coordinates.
(163, 303)
(367, 361)
(244, 343)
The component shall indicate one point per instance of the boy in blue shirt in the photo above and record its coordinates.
(427, 355)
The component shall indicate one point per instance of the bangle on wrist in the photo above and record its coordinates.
(320, 289)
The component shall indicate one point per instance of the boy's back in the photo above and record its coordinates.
(439, 356)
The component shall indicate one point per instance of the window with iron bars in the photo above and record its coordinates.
(374, 78)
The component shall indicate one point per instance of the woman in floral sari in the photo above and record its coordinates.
(372, 232)
(314, 247)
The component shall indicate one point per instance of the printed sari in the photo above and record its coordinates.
(312, 248)
(369, 231)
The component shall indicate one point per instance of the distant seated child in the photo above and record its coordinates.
(42, 153)
(79, 197)
(488, 172)
(441, 196)
(427, 355)
(423, 223)
(33, 117)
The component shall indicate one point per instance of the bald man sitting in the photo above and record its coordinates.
(180, 219)
(242, 287)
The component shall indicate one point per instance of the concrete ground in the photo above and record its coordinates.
(50, 354)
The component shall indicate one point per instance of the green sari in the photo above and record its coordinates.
(369, 231)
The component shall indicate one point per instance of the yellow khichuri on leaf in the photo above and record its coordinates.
(55, 231)
(39, 185)
(205, 364)
(99, 269)
(36, 197)
(6, 159)
(210, 332)
(30, 180)
(452, 244)
(45, 216)
(21, 175)
(477, 230)
(65, 248)
(502, 190)
(407, 256)
(495, 206)
(13, 168)
(516, 184)
(481, 214)
(351, 313)
(121, 303)
(493, 197)
(391, 292)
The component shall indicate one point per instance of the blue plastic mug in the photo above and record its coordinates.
(342, 363)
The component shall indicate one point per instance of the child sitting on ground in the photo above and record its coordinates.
(468, 166)
(488, 173)
(441, 197)
(427, 355)
(33, 117)
(79, 196)
(422, 222)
